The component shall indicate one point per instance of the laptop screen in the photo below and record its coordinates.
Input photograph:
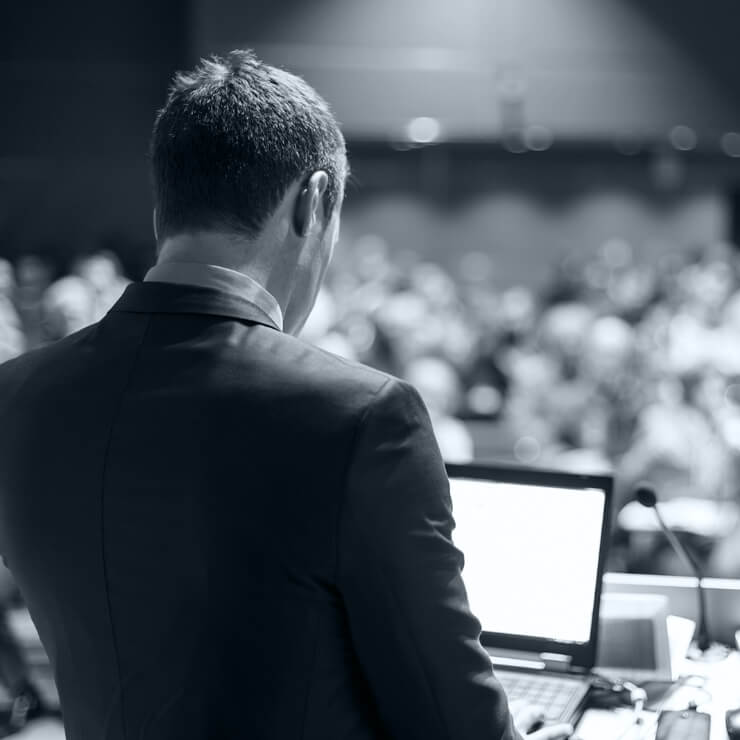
(531, 555)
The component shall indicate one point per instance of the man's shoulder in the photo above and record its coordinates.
(18, 370)
(338, 390)
(319, 370)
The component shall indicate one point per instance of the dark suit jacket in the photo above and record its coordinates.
(223, 532)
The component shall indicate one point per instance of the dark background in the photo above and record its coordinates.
(82, 83)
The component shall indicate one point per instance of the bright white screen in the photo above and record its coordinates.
(531, 556)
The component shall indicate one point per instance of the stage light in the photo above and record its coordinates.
(731, 143)
(538, 138)
(423, 130)
(683, 138)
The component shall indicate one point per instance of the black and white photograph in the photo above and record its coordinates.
(370, 370)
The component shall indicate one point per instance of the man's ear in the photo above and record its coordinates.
(308, 203)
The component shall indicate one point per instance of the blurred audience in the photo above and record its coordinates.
(614, 366)
(102, 272)
(36, 309)
(67, 306)
(12, 338)
(439, 386)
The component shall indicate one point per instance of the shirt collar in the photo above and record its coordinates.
(222, 279)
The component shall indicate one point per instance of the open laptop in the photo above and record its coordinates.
(534, 543)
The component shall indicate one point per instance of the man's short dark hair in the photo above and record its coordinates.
(231, 138)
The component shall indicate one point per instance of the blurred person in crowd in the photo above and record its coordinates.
(546, 396)
(234, 533)
(670, 428)
(364, 277)
(12, 339)
(439, 386)
(531, 372)
(677, 449)
(430, 281)
(404, 318)
(33, 276)
(673, 435)
(370, 342)
(724, 561)
(723, 340)
(566, 284)
(7, 279)
(562, 330)
(611, 334)
(607, 350)
(320, 328)
(705, 284)
(486, 384)
(26, 702)
(14, 670)
(103, 272)
(609, 366)
(68, 305)
(447, 330)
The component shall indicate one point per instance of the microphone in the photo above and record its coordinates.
(645, 494)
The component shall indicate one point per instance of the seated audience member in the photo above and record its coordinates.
(320, 328)
(724, 561)
(15, 671)
(12, 339)
(33, 275)
(102, 271)
(439, 386)
(68, 306)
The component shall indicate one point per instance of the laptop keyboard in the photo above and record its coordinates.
(554, 694)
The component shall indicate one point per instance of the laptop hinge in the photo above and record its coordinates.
(556, 662)
(530, 661)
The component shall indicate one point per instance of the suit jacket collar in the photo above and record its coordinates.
(219, 278)
(160, 297)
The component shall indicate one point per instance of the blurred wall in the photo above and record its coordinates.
(82, 82)
(588, 72)
(531, 211)
(584, 69)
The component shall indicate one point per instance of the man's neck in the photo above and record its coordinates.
(224, 250)
(211, 248)
(266, 266)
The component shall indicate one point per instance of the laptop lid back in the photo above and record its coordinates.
(534, 543)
